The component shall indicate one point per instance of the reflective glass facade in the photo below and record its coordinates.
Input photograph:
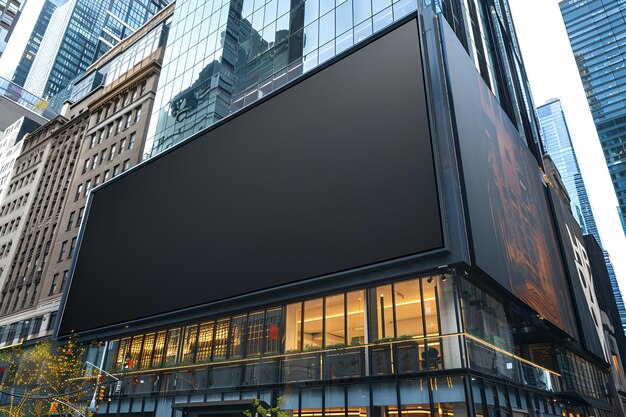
(558, 145)
(596, 32)
(225, 54)
(124, 18)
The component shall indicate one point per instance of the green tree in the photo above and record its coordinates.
(37, 376)
(259, 411)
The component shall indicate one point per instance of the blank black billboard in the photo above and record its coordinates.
(513, 238)
(333, 173)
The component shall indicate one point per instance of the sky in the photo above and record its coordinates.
(552, 72)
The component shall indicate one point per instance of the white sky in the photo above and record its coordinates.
(552, 72)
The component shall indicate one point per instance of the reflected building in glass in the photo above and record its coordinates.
(595, 30)
(224, 55)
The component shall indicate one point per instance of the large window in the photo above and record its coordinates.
(406, 321)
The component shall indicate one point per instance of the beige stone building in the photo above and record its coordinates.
(100, 135)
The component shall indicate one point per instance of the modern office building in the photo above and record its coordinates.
(595, 30)
(9, 13)
(99, 136)
(21, 51)
(373, 236)
(78, 32)
(558, 144)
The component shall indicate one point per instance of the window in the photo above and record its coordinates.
(79, 191)
(79, 219)
(97, 180)
(189, 344)
(312, 333)
(86, 166)
(72, 247)
(109, 131)
(133, 94)
(103, 155)
(205, 342)
(122, 145)
(137, 115)
(126, 165)
(334, 329)
(53, 284)
(131, 141)
(87, 187)
(26, 293)
(143, 88)
(148, 347)
(52, 320)
(65, 276)
(118, 126)
(107, 174)
(100, 134)
(63, 249)
(171, 350)
(221, 339)
(116, 170)
(70, 221)
(94, 161)
(127, 122)
(112, 154)
(408, 308)
(293, 330)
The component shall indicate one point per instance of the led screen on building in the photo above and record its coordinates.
(512, 234)
(333, 173)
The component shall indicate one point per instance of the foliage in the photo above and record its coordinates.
(260, 411)
(37, 375)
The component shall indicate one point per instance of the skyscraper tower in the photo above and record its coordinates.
(78, 32)
(558, 144)
(595, 28)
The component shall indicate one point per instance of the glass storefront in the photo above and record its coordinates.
(394, 349)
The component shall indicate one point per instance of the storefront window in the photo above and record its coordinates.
(237, 336)
(356, 317)
(335, 321)
(408, 308)
(148, 347)
(313, 315)
(122, 353)
(189, 344)
(414, 397)
(449, 397)
(293, 330)
(384, 312)
(205, 342)
(171, 352)
(255, 333)
(159, 349)
(272, 330)
(135, 351)
(385, 399)
(221, 339)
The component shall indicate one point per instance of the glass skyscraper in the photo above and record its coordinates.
(558, 144)
(224, 55)
(78, 32)
(596, 33)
